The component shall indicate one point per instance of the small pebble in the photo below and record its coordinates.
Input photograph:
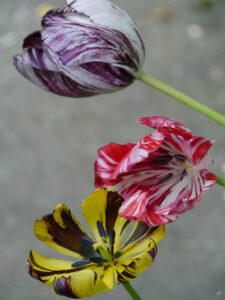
(42, 9)
(161, 14)
(194, 31)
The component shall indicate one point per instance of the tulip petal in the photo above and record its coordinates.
(109, 157)
(35, 65)
(208, 179)
(145, 202)
(140, 153)
(82, 284)
(48, 270)
(100, 211)
(166, 125)
(114, 18)
(74, 280)
(142, 239)
(56, 230)
(199, 150)
(33, 58)
(90, 55)
(130, 268)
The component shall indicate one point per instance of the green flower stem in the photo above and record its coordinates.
(131, 291)
(220, 181)
(168, 90)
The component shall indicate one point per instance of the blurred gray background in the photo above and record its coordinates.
(48, 145)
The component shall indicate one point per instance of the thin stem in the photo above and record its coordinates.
(168, 90)
(134, 295)
(220, 181)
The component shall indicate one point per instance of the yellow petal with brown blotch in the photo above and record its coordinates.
(142, 239)
(100, 210)
(128, 269)
(63, 233)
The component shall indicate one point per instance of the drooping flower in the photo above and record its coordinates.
(160, 177)
(102, 259)
(87, 48)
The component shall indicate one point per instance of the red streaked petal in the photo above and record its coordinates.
(139, 153)
(199, 148)
(136, 208)
(167, 126)
(133, 208)
(208, 179)
(108, 158)
(161, 203)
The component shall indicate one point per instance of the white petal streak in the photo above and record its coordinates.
(104, 13)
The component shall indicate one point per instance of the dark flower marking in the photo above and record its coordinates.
(165, 178)
(162, 160)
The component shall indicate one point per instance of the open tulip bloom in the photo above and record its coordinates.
(87, 48)
(103, 258)
(160, 177)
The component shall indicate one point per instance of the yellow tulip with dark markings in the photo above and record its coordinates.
(103, 257)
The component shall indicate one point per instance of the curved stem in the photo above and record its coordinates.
(134, 295)
(220, 181)
(168, 90)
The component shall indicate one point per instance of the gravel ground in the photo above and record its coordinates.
(48, 145)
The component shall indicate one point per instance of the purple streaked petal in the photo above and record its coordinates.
(111, 17)
(88, 48)
(117, 77)
(52, 81)
(35, 66)
(92, 56)
(74, 35)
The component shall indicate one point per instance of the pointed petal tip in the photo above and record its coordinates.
(14, 59)
(69, 2)
(29, 268)
(150, 120)
(62, 287)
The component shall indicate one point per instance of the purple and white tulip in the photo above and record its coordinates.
(87, 48)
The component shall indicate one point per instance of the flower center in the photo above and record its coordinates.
(103, 249)
(187, 164)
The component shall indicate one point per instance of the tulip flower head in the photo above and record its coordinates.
(102, 258)
(87, 48)
(160, 177)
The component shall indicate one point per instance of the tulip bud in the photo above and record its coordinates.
(87, 48)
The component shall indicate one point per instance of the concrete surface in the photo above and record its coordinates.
(48, 145)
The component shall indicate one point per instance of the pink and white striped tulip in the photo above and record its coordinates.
(160, 177)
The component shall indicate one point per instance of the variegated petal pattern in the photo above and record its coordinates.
(35, 65)
(102, 260)
(100, 211)
(162, 176)
(87, 48)
(74, 280)
(56, 230)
